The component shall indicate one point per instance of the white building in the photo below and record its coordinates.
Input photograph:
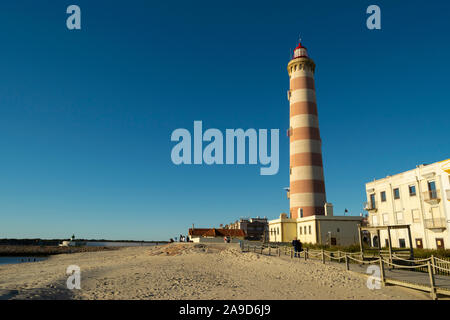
(317, 229)
(418, 197)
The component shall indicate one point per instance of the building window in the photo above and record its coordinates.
(278, 230)
(304, 229)
(309, 229)
(415, 215)
(375, 220)
(300, 230)
(383, 196)
(412, 190)
(432, 189)
(385, 219)
(399, 215)
(402, 243)
(372, 201)
(396, 193)
(338, 230)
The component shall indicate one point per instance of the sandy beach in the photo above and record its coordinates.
(188, 271)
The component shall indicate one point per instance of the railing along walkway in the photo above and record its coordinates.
(435, 280)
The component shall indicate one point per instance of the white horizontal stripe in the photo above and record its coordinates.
(300, 95)
(306, 173)
(307, 199)
(301, 146)
(304, 120)
(302, 73)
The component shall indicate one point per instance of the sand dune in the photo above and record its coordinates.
(188, 271)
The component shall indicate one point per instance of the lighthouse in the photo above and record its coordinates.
(307, 186)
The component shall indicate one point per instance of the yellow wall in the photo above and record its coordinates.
(289, 232)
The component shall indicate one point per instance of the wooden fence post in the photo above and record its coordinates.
(323, 256)
(347, 266)
(432, 284)
(383, 280)
(292, 253)
(433, 264)
(269, 250)
(279, 251)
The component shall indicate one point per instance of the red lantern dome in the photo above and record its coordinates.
(300, 51)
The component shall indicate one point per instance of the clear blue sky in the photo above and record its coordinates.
(86, 116)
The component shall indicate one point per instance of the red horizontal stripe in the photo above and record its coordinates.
(303, 107)
(307, 186)
(307, 212)
(305, 133)
(302, 83)
(306, 159)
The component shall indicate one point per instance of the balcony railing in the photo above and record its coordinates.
(370, 206)
(437, 223)
(431, 196)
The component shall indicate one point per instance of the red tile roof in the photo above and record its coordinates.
(203, 232)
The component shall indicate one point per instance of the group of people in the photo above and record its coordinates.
(297, 247)
(181, 239)
(184, 238)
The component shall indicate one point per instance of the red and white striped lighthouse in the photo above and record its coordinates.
(307, 186)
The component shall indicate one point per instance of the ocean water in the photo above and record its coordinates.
(13, 260)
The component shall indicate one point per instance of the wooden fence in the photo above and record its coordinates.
(432, 265)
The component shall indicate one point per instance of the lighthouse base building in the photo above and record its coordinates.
(310, 218)
(317, 229)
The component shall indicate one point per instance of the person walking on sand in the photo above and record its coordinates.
(299, 246)
(295, 244)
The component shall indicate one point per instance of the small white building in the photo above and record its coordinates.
(420, 198)
(317, 229)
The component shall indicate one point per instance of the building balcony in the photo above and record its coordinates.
(432, 196)
(370, 206)
(438, 223)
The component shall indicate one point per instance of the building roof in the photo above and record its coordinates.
(206, 232)
(444, 165)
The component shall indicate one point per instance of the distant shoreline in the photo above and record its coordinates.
(44, 251)
(49, 250)
(55, 242)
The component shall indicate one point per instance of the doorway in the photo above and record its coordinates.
(419, 243)
(440, 243)
(432, 189)
(375, 241)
